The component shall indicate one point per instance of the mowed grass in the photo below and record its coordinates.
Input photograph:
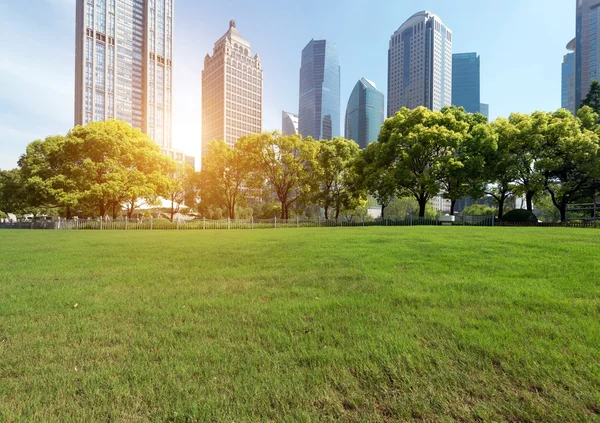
(351, 325)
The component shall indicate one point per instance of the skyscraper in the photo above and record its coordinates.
(466, 81)
(484, 109)
(319, 110)
(124, 64)
(364, 114)
(232, 83)
(289, 123)
(568, 80)
(420, 64)
(586, 47)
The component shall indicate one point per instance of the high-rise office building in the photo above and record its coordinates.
(586, 47)
(568, 80)
(289, 123)
(232, 90)
(466, 81)
(124, 64)
(484, 109)
(420, 64)
(319, 110)
(364, 114)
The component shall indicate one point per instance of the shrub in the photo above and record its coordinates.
(479, 210)
(3, 215)
(520, 216)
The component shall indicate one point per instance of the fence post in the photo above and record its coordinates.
(275, 220)
(100, 222)
(297, 222)
(58, 223)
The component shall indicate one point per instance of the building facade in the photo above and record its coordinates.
(124, 64)
(484, 109)
(420, 64)
(466, 81)
(586, 47)
(232, 90)
(289, 123)
(319, 110)
(364, 113)
(568, 81)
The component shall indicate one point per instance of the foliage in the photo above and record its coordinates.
(592, 100)
(519, 215)
(284, 164)
(570, 161)
(3, 215)
(334, 173)
(546, 210)
(479, 210)
(399, 208)
(417, 145)
(372, 177)
(224, 177)
(380, 325)
(95, 169)
(462, 170)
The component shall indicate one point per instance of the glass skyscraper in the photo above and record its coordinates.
(232, 90)
(568, 83)
(319, 111)
(289, 123)
(364, 114)
(484, 109)
(124, 64)
(420, 64)
(466, 81)
(586, 47)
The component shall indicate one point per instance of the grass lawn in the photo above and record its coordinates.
(343, 324)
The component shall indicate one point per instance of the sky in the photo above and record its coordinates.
(521, 44)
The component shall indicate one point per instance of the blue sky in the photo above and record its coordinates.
(521, 44)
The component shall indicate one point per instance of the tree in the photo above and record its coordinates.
(416, 144)
(570, 160)
(181, 188)
(334, 175)
(400, 208)
(462, 170)
(224, 176)
(94, 169)
(524, 136)
(592, 100)
(372, 177)
(285, 163)
(501, 170)
(479, 210)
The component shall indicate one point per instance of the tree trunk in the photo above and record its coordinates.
(326, 212)
(422, 206)
(102, 209)
(501, 201)
(529, 197)
(452, 206)
(114, 211)
(563, 212)
(383, 206)
(69, 212)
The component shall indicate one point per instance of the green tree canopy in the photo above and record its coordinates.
(592, 100)
(284, 164)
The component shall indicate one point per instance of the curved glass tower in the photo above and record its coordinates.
(319, 110)
(420, 64)
(364, 114)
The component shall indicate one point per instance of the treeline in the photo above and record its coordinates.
(107, 167)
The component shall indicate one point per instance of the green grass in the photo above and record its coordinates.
(356, 324)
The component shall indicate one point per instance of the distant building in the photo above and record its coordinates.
(484, 109)
(179, 156)
(586, 47)
(289, 123)
(568, 80)
(466, 81)
(232, 90)
(420, 64)
(364, 113)
(319, 109)
(124, 64)
(440, 204)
